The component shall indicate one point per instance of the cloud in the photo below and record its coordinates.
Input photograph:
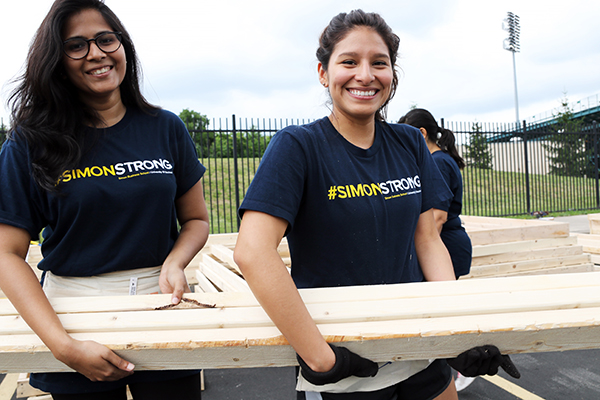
(257, 59)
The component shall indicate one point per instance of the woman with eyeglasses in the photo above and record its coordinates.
(107, 177)
(354, 196)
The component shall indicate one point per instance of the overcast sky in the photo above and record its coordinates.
(256, 58)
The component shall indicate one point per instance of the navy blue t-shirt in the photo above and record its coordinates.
(117, 210)
(352, 212)
(453, 234)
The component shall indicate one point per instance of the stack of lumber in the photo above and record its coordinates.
(508, 247)
(591, 242)
(594, 220)
(501, 247)
(390, 322)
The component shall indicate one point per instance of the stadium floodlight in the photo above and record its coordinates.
(511, 24)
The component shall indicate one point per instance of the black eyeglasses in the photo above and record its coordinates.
(78, 48)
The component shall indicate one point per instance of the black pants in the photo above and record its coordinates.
(186, 388)
(425, 385)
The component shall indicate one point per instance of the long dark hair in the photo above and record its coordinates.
(342, 24)
(45, 106)
(421, 118)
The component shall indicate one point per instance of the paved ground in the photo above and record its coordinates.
(572, 375)
(577, 223)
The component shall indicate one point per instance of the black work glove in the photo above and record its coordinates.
(483, 360)
(346, 364)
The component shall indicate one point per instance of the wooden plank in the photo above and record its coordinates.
(64, 305)
(323, 313)
(24, 389)
(8, 385)
(594, 220)
(568, 269)
(225, 255)
(221, 276)
(204, 284)
(590, 243)
(527, 265)
(499, 248)
(554, 330)
(484, 230)
(532, 254)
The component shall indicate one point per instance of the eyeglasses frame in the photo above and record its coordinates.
(119, 36)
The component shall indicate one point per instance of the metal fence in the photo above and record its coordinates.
(536, 169)
(511, 170)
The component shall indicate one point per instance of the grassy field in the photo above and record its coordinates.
(486, 192)
(220, 190)
(495, 193)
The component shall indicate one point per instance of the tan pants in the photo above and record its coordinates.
(119, 283)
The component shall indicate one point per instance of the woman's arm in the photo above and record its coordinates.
(193, 218)
(257, 256)
(431, 251)
(20, 284)
(440, 218)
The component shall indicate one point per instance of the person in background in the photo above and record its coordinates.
(303, 188)
(108, 177)
(442, 145)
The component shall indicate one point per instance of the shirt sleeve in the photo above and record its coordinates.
(278, 186)
(20, 196)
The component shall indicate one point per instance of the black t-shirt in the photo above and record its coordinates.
(118, 207)
(352, 212)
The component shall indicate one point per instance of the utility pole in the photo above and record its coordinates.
(511, 24)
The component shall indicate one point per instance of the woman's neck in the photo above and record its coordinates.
(433, 147)
(360, 133)
(110, 110)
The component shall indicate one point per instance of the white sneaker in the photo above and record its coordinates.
(462, 382)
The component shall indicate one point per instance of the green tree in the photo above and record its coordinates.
(251, 144)
(478, 151)
(197, 125)
(569, 153)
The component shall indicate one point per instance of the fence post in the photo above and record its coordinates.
(595, 134)
(526, 154)
(235, 172)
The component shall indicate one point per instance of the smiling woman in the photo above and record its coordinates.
(354, 195)
(109, 178)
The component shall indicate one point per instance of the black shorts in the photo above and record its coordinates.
(425, 385)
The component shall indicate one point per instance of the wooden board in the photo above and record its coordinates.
(408, 321)
(594, 220)
(590, 243)
(525, 245)
(24, 389)
(221, 276)
(488, 230)
(529, 254)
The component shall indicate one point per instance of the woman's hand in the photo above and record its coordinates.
(346, 364)
(172, 280)
(483, 360)
(93, 360)
(193, 217)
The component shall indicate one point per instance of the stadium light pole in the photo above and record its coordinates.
(511, 24)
